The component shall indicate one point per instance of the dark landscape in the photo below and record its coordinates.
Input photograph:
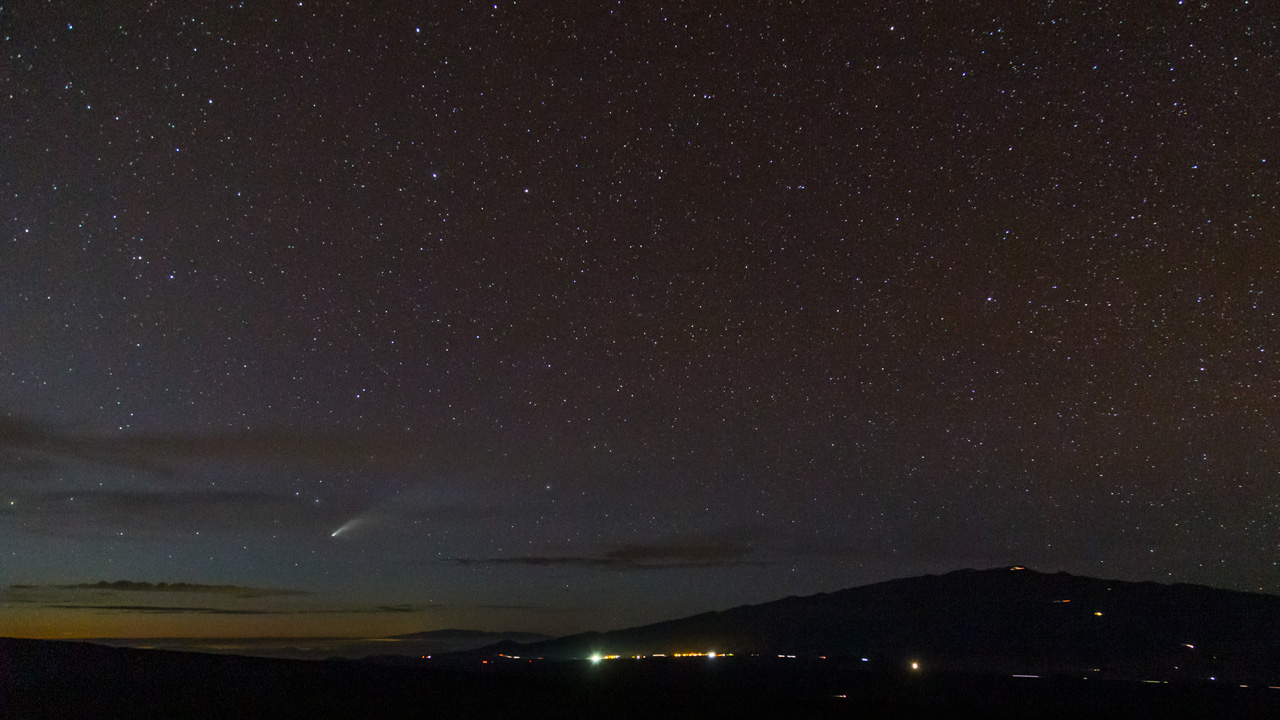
(1008, 642)
(63, 679)
(435, 642)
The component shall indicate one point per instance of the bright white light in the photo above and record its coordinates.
(596, 658)
(711, 654)
(915, 666)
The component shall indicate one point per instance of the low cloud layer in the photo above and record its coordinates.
(636, 557)
(238, 591)
(165, 513)
(27, 444)
(192, 610)
(126, 596)
(131, 596)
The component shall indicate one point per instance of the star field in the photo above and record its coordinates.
(577, 315)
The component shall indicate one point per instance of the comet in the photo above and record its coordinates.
(403, 507)
(348, 526)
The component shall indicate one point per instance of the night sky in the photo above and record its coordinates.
(369, 318)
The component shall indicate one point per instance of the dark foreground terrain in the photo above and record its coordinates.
(1002, 621)
(47, 679)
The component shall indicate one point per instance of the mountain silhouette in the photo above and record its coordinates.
(999, 620)
(472, 635)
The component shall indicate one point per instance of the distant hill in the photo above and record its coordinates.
(405, 647)
(1002, 620)
(468, 636)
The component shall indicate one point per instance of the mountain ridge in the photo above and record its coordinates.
(994, 619)
(465, 634)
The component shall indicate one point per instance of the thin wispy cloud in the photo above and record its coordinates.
(164, 609)
(238, 591)
(126, 596)
(635, 557)
(195, 610)
(38, 446)
(164, 512)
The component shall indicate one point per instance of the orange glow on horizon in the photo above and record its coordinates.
(39, 623)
